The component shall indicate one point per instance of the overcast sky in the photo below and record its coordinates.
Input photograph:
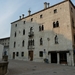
(10, 10)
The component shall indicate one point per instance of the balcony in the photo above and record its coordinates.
(30, 47)
(31, 34)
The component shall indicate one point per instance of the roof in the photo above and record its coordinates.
(4, 38)
(44, 10)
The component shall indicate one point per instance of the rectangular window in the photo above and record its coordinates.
(41, 41)
(15, 25)
(17, 53)
(41, 16)
(74, 39)
(14, 44)
(41, 53)
(22, 54)
(55, 11)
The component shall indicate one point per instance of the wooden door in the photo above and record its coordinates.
(31, 55)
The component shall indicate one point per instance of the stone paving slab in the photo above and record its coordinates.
(18, 67)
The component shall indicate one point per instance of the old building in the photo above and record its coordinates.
(5, 43)
(1, 51)
(49, 33)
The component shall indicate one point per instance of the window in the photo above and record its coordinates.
(55, 24)
(15, 34)
(17, 53)
(5, 43)
(41, 41)
(31, 19)
(15, 25)
(24, 22)
(41, 16)
(55, 11)
(39, 28)
(14, 44)
(41, 53)
(73, 23)
(22, 54)
(56, 39)
(74, 39)
(42, 27)
(31, 42)
(23, 43)
(24, 32)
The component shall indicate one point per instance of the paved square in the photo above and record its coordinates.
(18, 67)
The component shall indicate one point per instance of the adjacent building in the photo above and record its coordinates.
(1, 51)
(5, 43)
(49, 33)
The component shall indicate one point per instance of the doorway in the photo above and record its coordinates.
(13, 55)
(30, 55)
(63, 58)
(53, 57)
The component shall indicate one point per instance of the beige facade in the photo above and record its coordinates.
(48, 34)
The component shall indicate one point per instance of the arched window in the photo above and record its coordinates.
(56, 39)
(39, 28)
(41, 41)
(33, 42)
(42, 27)
(15, 34)
(14, 44)
(23, 43)
(24, 32)
(54, 25)
(57, 23)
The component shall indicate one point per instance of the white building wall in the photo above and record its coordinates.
(1, 51)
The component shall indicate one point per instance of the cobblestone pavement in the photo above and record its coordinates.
(18, 67)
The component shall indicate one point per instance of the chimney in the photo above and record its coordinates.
(29, 12)
(48, 4)
(45, 5)
(67, 0)
(22, 15)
